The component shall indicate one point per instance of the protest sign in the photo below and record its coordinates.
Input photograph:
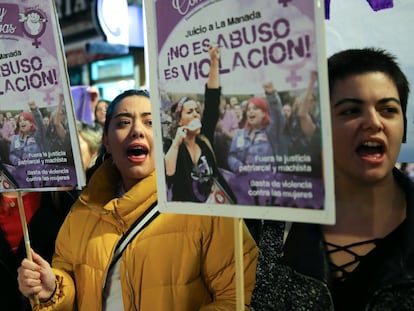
(38, 143)
(271, 60)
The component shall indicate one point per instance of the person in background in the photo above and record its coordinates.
(9, 128)
(257, 145)
(90, 142)
(302, 126)
(190, 161)
(225, 129)
(262, 132)
(57, 130)
(287, 110)
(233, 101)
(5, 135)
(85, 98)
(100, 113)
(7, 132)
(176, 262)
(302, 129)
(94, 95)
(240, 111)
(30, 137)
(365, 261)
(45, 212)
(46, 120)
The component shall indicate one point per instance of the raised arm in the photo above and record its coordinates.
(212, 95)
(171, 156)
(40, 134)
(277, 120)
(306, 122)
(57, 121)
(213, 81)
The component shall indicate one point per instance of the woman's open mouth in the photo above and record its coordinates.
(371, 150)
(137, 151)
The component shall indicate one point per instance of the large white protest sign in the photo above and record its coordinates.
(38, 141)
(271, 59)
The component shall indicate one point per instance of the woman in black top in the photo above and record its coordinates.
(365, 261)
(190, 163)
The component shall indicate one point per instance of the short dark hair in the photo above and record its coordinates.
(111, 108)
(359, 61)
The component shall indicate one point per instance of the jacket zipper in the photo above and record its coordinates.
(131, 292)
(105, 279)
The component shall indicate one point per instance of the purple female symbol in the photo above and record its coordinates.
(34, 25)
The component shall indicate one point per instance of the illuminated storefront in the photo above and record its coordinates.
(104, 46)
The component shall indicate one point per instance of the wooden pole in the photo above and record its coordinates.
(238, 249)
(25, 233)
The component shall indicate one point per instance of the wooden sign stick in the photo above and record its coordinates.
(238, 249)
(25, 233)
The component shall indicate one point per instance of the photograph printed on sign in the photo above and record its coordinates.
(38, 141)
(241, 116)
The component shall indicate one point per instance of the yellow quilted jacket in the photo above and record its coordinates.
(178, 262)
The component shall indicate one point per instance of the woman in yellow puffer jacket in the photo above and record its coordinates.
(177, 262)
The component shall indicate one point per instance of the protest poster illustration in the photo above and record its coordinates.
(243, 120)
(38, 142)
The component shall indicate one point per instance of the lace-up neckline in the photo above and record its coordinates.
(341, 272)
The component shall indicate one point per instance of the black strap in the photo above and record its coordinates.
(149, 215)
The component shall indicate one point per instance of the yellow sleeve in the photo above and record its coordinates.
(219, 265)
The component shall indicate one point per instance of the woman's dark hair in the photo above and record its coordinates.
(109, 112)
(111, 108)
(177, 108)
(359, 61)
